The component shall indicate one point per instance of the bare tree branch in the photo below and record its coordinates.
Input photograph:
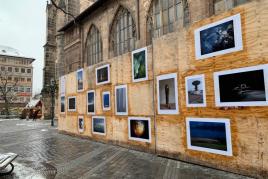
(63, 10)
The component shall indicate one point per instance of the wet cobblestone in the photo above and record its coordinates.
(46, 154)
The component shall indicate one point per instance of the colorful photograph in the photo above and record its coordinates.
(72, 104)
(121, 100)
(195, 91)
(62, 104)
(167, 94)
(139, 129)
(80, 86)
(103, 75)
(221, 37)
(81, 124)
(211, 135)
(98, 125)
(242, 87)
(106, 100)
(91, 102)
(139, 65)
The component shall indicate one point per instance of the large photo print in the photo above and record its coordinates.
(139, 65)
(224, 36)
(242, 87)
(209, 135)
(79, 76)
(139, 129)
(98, 125)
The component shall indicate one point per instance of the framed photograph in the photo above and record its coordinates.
(121, 100)
(242, 87)
(218, 38)
(62, 85)
(139, 129)
(167, 92)
(81, 124)
(139, 65)
(209, 135)
(195, 91)
(103, 75)
(98, 125)
(72, 103)
(62, 104)
(79, 77)
(91, 102)
(106, 101)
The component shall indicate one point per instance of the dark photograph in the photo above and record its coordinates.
(106, 100)
(121, 101)
(80, 80)
(242, 87)
(99, 125)
(62, 104)
(72, 103)
(139, 65)
(90, 100)
(102, 75)
(217, 38)
(139, 129)
(81, 124)
(167, 94)
(210, 135)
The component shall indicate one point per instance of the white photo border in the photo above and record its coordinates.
(165, 77)
(204, 104)
(237, 33)
(229, 151)
(64, 105)
(80, 70)
(146, 64)
(98, 133)
(62, 85)
(105, 93)
(149, 126)
(71, 110)
(96, 74)
(81, 130)
(91, 91)
(121, 113)
(240, 70)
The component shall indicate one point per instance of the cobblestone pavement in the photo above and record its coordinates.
(44, 153)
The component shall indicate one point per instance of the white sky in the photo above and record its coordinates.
(23, 27)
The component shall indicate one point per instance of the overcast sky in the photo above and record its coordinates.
(23, 27)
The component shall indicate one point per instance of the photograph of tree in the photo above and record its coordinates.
(195, 91)
(80, 86)
(139, 129)
(90, 102)
(139, 64)
(98, 124)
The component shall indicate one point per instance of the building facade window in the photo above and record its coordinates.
(3, 68)
(9, 69)
(22, 70)
(123, 33)
(220, 6)
(162, 16)
(28, 89)
(17, 70)
(94, 46)
(29, 79)
(9, 78)
(29, 71)
(22, 79)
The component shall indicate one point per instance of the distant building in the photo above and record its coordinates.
(20, 69)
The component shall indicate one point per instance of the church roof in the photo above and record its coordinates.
(84, 14)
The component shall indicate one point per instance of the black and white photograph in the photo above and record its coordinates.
(106, 101)
(195, 91)
(62, 85)
(209, 135)
(139, 129)
(91, 102)
(98, 125)
(167, 92)
(221, 37)
(72, 103)
(121, 100)
(242, 87)
(62, 104)
(103, 75)
(81, 124)
(139, 65)
(79, 76)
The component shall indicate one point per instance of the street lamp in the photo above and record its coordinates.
(52, 89)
